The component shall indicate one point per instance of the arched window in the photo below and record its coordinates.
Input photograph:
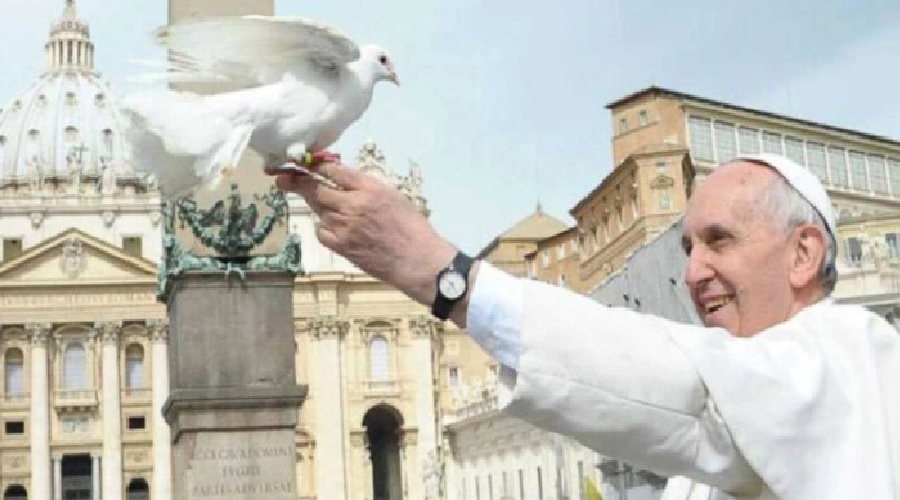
(75, 366)
(378, 359)
(138, 489)
(134, 366)
(15, 492)
(71, 135)
(14, 371)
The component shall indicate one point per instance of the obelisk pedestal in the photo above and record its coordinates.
(234, 399)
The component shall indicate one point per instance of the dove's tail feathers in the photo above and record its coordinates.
(213, 166)
(174, 173)
(176, 137)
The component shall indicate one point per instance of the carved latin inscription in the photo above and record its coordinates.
(84, 298)
(226, 466)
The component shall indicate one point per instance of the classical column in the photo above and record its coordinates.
(423, 330)
(112, 413)
(330, 477)
(162, 443)
(57, 478)
(40, 412)
(95, 477)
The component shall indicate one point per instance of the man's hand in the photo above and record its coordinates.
(378, 229)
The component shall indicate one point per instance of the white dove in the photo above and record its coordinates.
(284, 87)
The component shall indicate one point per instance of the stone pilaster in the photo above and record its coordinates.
(111, 478)
(39, 333)
(424, 329)
(330, 477)
(162, 440)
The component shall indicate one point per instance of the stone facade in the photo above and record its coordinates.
(84, 343)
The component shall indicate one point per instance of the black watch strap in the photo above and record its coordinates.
(442, 305)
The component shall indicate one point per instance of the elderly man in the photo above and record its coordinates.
(783, 394)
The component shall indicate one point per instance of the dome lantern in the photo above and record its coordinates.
(70, 47)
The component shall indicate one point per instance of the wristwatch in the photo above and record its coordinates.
(452, 283)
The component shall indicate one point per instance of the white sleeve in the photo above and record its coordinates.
(616, 381)
(494, 316)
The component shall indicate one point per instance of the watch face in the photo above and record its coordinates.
(452, 285)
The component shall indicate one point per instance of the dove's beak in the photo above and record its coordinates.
(394, 78)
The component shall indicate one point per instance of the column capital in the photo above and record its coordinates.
(108, 330)
(424, 326)
(329, 326)
(158, 328)
(39, 333)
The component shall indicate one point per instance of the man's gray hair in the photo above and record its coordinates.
(791, 210)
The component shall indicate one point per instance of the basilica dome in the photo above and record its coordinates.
(67, 124)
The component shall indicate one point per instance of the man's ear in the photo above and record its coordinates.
(809, 254)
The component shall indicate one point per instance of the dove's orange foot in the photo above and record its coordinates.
(302, 165)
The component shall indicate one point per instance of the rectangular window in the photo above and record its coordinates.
(644, 117)
(136, 423)
(858, 171)
(521, 484)
(854, 251)
(817, 163)
(749, 140)
(701, 138)
(453, 376)
(726, 143)
(793, 149)
(772, 143)
(14, 427)
(893, 170)
(878, 175)
(893, 247)
(540, 484)
(837, 167)
(12, 248)
(133, 246)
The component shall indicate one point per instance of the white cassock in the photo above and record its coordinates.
(806, 410)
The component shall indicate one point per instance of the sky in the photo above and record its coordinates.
(502, 102)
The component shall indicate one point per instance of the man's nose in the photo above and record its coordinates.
(698, 268)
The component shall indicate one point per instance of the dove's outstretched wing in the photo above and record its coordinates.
(247, 51)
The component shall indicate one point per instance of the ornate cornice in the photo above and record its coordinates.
(158, 329)
(39, 333)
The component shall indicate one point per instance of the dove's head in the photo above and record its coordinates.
(379, 62)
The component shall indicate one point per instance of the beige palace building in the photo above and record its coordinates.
(665, 142)
(83, 340)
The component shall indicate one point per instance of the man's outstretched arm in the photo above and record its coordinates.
(571, 365)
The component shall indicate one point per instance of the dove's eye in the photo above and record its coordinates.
(382, 59)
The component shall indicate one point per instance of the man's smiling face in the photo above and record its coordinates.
(739, 257)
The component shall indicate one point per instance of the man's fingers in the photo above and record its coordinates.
(344, 177)
(316, 194)
(326, 236)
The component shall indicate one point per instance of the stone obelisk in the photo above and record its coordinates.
(234, 400)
